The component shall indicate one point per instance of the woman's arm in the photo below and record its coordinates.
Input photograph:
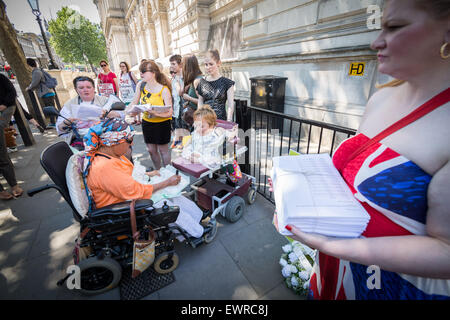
(230, 103)
(116, 82)
(134, 77)
(35, 79)
(65, 112)
(199, 101)
(423, 256)
(188, 97)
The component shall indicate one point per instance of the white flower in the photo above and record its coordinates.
(294, 281)
(292, 268)
(283, 262)
(298, 251)
(286, 272)
(293, 257)
(303, 275)
(287, 248)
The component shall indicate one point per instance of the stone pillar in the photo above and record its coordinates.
(136, 48)
(145, 49)
(159, 37)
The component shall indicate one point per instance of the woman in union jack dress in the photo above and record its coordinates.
(403, 180)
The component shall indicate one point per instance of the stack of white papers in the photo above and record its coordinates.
(139, 108)
(165, 173)
(311, 195)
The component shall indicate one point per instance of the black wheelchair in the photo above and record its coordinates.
(105, 244)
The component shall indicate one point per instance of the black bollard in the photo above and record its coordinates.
(23, 126)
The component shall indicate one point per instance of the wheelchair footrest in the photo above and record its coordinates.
(145, 284)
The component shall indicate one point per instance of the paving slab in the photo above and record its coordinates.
(208, 272)
(256, 251)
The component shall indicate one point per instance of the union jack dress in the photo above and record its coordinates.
(393, 190)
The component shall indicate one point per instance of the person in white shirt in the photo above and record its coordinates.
(127, 83)
(177, 92)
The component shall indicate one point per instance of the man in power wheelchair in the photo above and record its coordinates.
(105, 243)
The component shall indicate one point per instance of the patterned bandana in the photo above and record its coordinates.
(108, 132)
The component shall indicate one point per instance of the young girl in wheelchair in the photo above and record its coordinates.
(206, 140)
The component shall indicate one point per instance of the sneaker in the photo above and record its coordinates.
(12, 149)
(51, 125)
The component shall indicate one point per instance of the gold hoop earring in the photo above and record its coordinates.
(443, 47)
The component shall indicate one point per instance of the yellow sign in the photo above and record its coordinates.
(261, 92)
(357, 68)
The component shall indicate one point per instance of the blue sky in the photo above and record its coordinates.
(19, 12)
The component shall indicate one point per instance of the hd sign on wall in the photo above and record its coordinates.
(356, 68)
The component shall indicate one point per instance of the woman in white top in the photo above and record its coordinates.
(85, 89)
(127, 83)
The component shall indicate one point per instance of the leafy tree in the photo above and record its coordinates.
(76, 39)
(14, 53)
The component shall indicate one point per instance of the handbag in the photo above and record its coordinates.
(143, 248)
(10, 137)
(235, 173)
(188, 115)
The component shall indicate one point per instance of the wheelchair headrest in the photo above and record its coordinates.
(54, 160)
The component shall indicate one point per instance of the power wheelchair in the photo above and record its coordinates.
(105, 244)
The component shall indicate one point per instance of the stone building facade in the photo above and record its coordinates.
(311, 42)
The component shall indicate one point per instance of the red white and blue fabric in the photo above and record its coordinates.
(393, 190)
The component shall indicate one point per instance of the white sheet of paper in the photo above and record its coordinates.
(138, 108)
(86, 111)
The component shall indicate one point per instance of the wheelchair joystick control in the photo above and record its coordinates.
(165, 207)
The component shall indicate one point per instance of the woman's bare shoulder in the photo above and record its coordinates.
(380, 97)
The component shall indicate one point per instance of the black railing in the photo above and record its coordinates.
(275, 134)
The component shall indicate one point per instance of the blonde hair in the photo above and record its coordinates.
(206, 113)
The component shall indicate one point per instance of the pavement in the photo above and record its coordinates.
(37, 236)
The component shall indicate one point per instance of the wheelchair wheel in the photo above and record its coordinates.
(251, 196)
(209, 237)
(165, 265)
(99, 275)
(235, 209)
